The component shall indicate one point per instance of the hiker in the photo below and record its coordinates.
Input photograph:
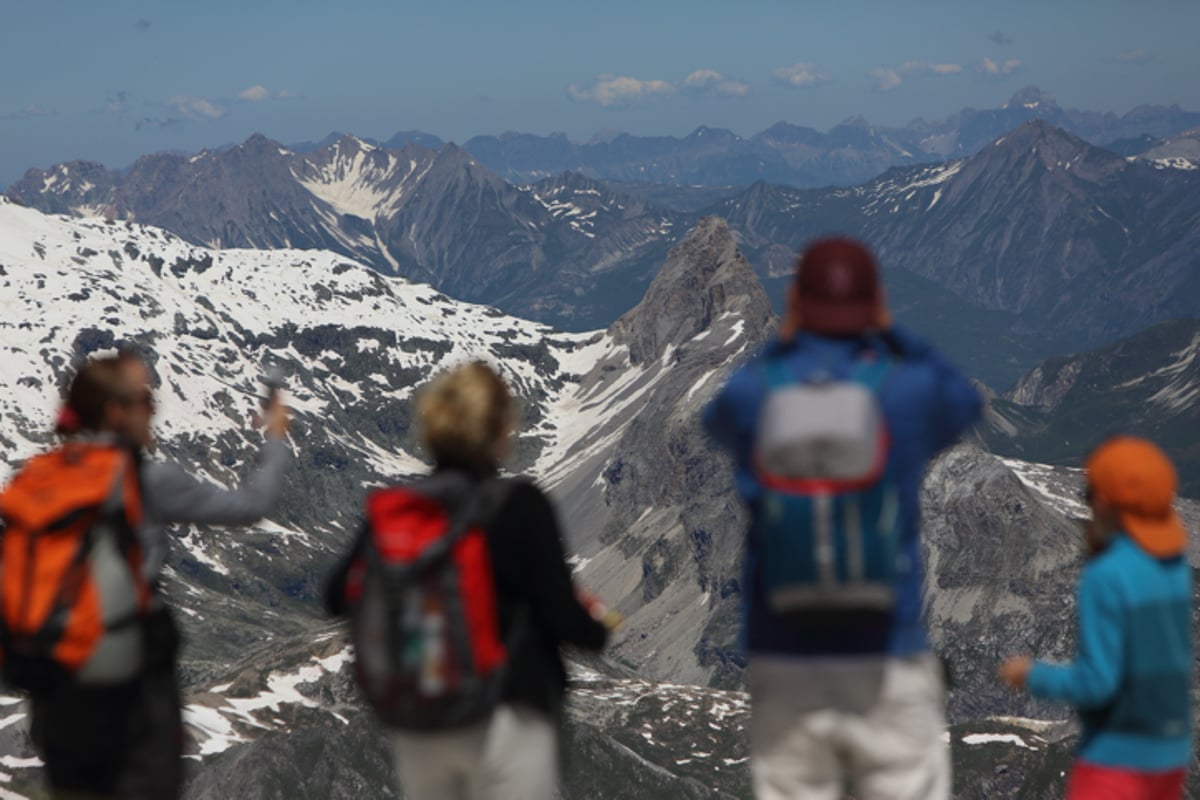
(831, 428)
(77, 653)
(124, 738)
(172, 496)
(1130, 680)
(502, 541)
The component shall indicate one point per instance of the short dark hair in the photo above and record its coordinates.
(94, 386)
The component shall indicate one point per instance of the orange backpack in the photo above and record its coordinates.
(72, 593)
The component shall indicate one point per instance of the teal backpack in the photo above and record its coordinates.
(828, 523)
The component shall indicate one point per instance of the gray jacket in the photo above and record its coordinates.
(170, 495)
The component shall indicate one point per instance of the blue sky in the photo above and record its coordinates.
(111, 81)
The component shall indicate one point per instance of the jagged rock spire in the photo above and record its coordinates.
(704, 277)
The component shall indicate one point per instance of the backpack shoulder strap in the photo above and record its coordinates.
(473, 502)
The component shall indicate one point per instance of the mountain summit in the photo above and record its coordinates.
(704, 278)
(1031, 97)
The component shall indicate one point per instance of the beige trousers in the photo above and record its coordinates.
(511, 756)
(872, 727)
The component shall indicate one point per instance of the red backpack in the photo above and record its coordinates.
(72, 593)
(421, 591)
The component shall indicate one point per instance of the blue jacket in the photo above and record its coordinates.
(1131, 679)
(928, 405)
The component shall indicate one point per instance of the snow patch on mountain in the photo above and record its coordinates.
(358, 179)
(1181, 390)
(1176, 162)
(217, 720)
(1059, 487)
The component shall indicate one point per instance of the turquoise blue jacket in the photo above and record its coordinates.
(1131, 679)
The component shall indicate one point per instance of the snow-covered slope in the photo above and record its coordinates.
(354, 344)
(214, 319)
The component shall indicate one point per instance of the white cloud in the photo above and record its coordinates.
(945, 69)
(195, 107)
(29, 112)
(701, 78)
(709, 81)
(257, 92)
(1138, 56)
(117, 103)
(614, 91)
(801, 75)
(886, 79)
(1007, 67)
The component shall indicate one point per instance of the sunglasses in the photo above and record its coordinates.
(144, 399)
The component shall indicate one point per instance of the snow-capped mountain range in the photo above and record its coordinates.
(1037, 245)
(851, 152)
(610, 426)
(553, 250)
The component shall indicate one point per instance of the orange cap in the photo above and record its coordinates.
(1135, 478)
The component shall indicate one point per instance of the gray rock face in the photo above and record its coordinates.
(980, 522)
(703, 278)
(1043, 225)
(1044, 387)
(1147, 385)
(662, 536)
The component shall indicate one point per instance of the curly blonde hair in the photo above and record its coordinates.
(465, 414)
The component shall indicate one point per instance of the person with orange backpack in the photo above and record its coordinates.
(72, 593)
(84, 626)
(459, 598)
(154, 764)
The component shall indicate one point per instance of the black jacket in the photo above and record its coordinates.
(538, 609)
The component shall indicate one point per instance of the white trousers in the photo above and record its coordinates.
(511, 756)
(872, 727)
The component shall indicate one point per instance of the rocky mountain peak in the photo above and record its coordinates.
(404, 138)
(713, 135)
(856, 121)
(451, 155)
(259, 144)
(349, 143)
(1185, 146)
(1036, 131)
(1031, 97)
(1054, 148)
(704, 277)
(605, 135)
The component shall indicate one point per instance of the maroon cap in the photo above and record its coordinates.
(837, 288)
